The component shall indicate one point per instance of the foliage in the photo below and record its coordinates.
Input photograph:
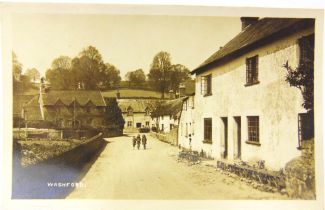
(165, 76)
(302, 77)
(33, 74)
(59, 75)
(113, 113)
(136, 77)
(20, 81)
(86, 71)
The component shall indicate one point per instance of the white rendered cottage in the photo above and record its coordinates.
(244, 108)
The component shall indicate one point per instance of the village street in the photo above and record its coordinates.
(123, 173)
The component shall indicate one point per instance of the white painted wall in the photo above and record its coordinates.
(273, 100)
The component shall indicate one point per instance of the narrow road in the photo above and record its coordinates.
(120, 172)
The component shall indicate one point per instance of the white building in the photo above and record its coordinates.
(186, 131)
(244, 108)
(166, 115)
(137, 113)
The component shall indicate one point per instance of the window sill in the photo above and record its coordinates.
(208, 94)
(253, 143)
(207, 142)
(253, 83)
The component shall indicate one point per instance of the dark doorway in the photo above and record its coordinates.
(225, 132)
(138, 125)
(238, 136)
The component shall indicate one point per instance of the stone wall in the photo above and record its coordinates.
(170, 137)
(300, 173)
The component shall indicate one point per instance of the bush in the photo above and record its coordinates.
(154, 129)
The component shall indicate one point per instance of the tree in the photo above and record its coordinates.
(110, 76)
(302, 77)
(113, 114)
(16, 67)
(136, 77)
(179, 74)
(59, 75)
(33, 74)
(159, 75)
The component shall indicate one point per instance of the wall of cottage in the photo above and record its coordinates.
(165, 121)
(273, 100)
(186, 127)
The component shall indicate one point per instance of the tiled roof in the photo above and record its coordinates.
(67, 97)
(262, 32)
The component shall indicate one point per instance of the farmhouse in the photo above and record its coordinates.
(244, 108)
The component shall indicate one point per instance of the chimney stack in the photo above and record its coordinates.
(246, 21)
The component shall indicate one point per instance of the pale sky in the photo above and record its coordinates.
(127, 41)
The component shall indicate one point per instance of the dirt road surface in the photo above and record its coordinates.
(121, 172)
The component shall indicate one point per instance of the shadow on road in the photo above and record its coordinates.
(34, 182)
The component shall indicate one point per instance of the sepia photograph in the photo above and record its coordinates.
(169, 107)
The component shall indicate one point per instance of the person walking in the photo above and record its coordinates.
(138, 141)
(134, 141)
(144, 141)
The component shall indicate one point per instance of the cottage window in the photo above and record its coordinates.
(130, 111)
(147, 123)
(206, 83)
(162, 127)
(252, 70)
(306, 55)
(208, 130)
(129, 123)
(171, 127)
(186, 130)
(253, 129)
(147, 112)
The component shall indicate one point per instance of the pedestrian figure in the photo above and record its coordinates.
(138, 141)
(144, 141)
(134, 141)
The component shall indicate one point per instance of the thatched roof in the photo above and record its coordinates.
(169, 107)
(32, 110)
(68, 97)
(262, 32)
(137, 105)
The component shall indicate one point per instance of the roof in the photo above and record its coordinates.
(33, 110)
(170, 107)
(137, 105)
(133, 93)
(19, 101)
(67, 97)
(260, 33)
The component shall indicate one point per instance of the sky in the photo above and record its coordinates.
(129, 42)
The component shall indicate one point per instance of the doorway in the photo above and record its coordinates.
(238, 137)
(225, 136)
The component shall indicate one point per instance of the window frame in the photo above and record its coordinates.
(206, 85)
(252, 71)
(207, 130)
(253, 130)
